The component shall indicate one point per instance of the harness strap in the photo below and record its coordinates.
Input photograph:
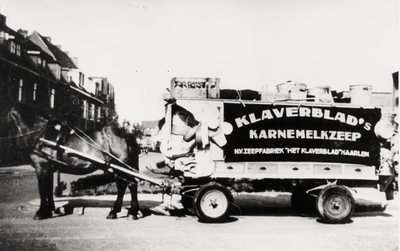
(51, 158)
(63, 135)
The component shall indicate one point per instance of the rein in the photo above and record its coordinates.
(98, 147)
(15, 119)
(23, 135)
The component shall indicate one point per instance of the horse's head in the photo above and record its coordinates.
(6, 124)
(18, 121)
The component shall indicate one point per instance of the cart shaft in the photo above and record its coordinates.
(130, 172)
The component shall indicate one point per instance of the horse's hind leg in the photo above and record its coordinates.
(134, 210)
(121, 186)
(45, 182)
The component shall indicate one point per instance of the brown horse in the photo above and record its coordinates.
(20, 122)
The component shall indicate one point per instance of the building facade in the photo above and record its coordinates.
(37, 74)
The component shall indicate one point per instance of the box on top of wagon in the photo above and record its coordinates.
(194, 88)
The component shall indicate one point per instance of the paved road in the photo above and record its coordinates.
(267, 223)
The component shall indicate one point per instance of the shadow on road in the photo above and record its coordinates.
(280, 205)
(98, 207)
(244, 205)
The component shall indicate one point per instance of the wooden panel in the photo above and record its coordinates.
(327, 169)
(295, 169)
(261, 168)
(229, 168)
(359, 171)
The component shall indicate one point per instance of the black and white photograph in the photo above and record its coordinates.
(199, 125)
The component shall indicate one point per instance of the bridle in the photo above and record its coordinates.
(15, 121)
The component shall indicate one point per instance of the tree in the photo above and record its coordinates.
(70, 111)
(135, 129)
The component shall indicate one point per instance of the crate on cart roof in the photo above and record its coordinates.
(195, 88)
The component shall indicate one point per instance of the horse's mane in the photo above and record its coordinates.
(27, 115)
(121, 132)
(130, 139)
(5, 106)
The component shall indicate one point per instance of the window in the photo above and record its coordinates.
(12, 47)
(34, 92)
(15, 48)
(52, 98)
(39, 61)
(18, 50)
(2, 37)
(97, 90)
(91, 113)
(44, 63)
(20, 90)
(58, 72)
(85, 109)
(98, 114)
(82, 79)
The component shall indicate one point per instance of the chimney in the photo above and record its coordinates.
(67, 52)
(58, 46)
(48, 39)
(23, 32)
(2, 20)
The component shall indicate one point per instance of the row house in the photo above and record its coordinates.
(38, 74)
(101, 88)
(151, 138)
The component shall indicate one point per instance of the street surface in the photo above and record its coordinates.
(265, 222)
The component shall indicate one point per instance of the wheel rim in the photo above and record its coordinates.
(337, 206)
(214, 204)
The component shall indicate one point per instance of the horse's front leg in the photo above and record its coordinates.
(45, 182)
(134, 210)
(121, 186)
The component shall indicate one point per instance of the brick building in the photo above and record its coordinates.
(39, 75)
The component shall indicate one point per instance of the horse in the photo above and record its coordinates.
(21, 122)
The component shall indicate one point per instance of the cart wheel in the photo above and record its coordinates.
(212, 203)
(302, 202)
(335, 204)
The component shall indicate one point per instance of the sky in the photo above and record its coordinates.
(141, 45)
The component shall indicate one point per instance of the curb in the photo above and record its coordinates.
(17, 169)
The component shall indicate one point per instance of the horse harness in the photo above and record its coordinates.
(64, 133)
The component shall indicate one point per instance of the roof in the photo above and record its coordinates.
(36, 38)
(23, 61)
(57, 53)
(62, 58)
(150, 124)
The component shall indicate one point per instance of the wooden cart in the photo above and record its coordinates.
(318, 151)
